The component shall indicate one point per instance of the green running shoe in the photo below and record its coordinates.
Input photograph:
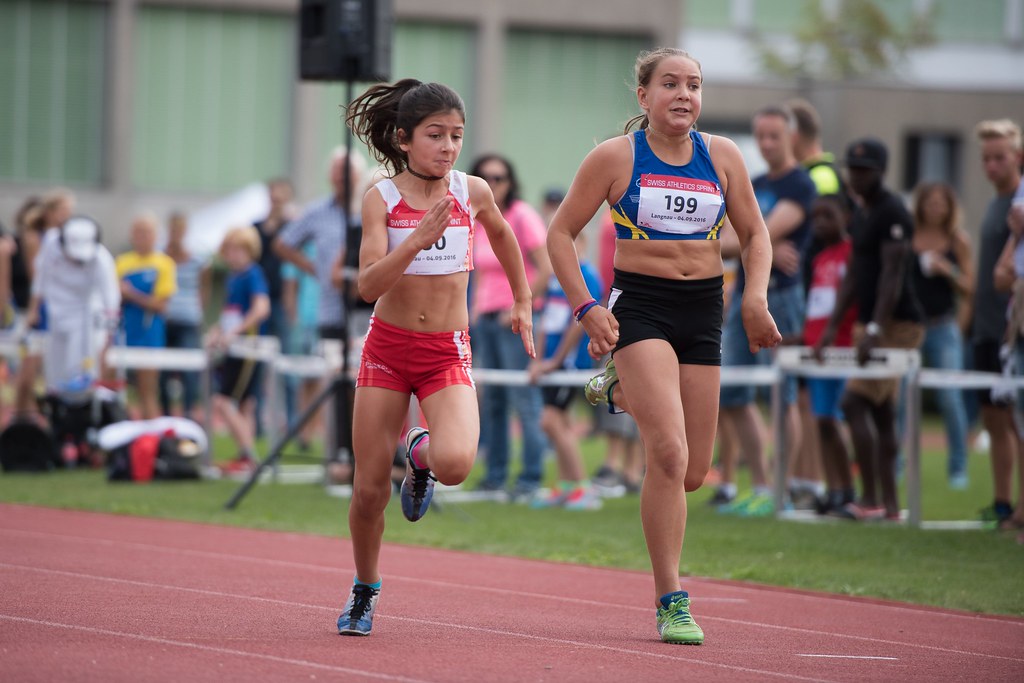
(599, 388)
(675, 624)
(758, 505)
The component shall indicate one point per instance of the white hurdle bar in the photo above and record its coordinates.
(838, 363)
(841, 363)
(14, 346)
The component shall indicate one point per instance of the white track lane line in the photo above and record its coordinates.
(300, 565)
(461, 586)
(210, 648)
(887, 659)
(332, 570)
(428, 622)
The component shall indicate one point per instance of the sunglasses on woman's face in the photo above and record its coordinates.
(495, 178)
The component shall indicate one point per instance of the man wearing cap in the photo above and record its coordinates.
(75, 275)
(890, 316)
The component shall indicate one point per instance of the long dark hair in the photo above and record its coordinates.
(646, 63)
(513, 181)
(386, 114)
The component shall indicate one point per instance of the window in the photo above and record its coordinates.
(585, 84)
(53, 80)
(975, 21)
(715, 15)
(931, 157)
(212, 98)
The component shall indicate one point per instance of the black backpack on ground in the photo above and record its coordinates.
(27, 447)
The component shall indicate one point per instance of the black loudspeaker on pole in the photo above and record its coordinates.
(339, 40)
(345, 40)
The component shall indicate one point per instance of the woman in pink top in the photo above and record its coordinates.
(493, 346)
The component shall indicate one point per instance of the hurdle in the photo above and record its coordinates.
(789, 361)
(13, 345)
(841, 363)
(186, 360)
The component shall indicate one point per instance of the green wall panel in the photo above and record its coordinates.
(52, 65)
(974, 21)
(212, 98)
(707, 14)
(563, 94)
(442, 53)
(779, 15)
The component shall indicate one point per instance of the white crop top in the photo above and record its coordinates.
(453, 253)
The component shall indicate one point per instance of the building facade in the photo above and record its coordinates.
(169, 104)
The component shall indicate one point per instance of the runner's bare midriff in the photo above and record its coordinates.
(670, 259)
(426, 303)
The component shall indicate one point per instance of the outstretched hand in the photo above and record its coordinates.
(603, 330)
(433, 224)
(762, 333)
(522, 324)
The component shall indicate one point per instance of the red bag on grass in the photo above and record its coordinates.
(142, 453)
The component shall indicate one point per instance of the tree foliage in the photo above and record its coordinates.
(857, 40)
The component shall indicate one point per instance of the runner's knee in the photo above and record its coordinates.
(667, 456)
(451, 467)
(369, 500)
(695, 476)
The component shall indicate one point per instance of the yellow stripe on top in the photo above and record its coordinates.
(620, 218)
(713, 232)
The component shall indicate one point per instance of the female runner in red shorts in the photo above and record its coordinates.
(415, 259)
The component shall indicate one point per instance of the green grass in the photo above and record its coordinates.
(971, 570)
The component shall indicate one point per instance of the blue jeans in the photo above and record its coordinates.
(495, 346)
(943, 349)
(180, 336)
(786, 304)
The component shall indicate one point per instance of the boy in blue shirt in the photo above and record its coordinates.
(246, 308)
(564, 345)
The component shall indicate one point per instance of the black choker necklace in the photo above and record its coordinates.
(424, 177)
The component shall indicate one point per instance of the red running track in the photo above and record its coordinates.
(92, 597)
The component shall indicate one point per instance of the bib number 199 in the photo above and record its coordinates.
(678, 203)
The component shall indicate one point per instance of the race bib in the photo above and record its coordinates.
(231, 319)
(450, 254)
(682, 206)
(556, 317)
(821, 301)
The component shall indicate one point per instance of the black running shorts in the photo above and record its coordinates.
(687, 314)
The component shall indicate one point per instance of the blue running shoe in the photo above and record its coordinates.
(357, 617)
(418, 485)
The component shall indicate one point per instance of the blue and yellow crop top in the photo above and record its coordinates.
(666, 202)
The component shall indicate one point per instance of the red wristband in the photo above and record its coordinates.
(576, 311)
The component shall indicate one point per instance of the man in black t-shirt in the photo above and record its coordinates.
(889, 316)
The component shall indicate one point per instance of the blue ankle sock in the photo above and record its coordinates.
(374, 586)
(666, 599)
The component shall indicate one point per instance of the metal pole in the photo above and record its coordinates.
(912, 430)
(207, 388)
(343, 430)
(275, 452)
(779, 426)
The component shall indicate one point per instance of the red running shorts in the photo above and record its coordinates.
(420, 363)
